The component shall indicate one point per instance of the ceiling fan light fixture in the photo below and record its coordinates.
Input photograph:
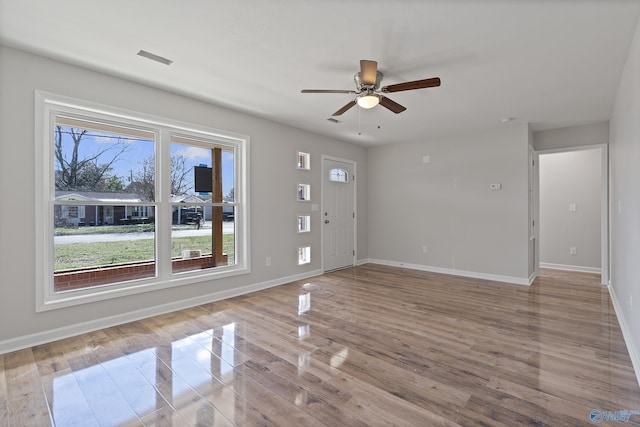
(368, 100)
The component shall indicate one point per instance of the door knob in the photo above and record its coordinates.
(326, 221)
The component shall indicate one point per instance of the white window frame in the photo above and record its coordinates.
(338, 176)
(304, 161)
(304, 255)
(47, 106)
(303, 194)
(306, 222)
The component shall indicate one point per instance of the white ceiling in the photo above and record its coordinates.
(550, 63)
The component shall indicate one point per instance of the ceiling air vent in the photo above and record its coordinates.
(156, 58)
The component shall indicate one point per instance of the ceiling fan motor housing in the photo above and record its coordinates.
(361, 87)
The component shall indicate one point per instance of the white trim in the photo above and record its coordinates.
(50, 335)
(634, 354)
(454, 272)
(604, 202)
(536, 213)
(354, 181)
(571, 268)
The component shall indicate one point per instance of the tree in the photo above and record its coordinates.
(113, 184)
(180, 173)
(144, 180)
(230, 197)
(91, 173)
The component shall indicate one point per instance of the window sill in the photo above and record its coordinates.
(106, 292)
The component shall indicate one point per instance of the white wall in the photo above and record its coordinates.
(573, 177)
(624, 150)
(447, 204)
(596, 133)
(273, 179)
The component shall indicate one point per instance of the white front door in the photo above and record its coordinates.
(338, 214)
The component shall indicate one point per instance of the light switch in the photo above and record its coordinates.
(572, 207)
(426, 159)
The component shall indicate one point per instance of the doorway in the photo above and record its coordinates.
(338, 213)
(572, 209)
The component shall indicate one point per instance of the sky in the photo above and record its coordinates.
(129, 163)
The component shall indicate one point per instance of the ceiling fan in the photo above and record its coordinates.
(368, 91)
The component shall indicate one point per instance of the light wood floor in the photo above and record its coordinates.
(370, 345)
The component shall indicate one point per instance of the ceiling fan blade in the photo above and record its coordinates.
(391, 105)
(344, 109)
(326, 91)
(368, 71)
(417, 84)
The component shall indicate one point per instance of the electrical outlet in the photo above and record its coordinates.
(268, 261)
(424, 249)
(573, 250)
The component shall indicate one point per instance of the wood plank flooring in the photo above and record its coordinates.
(370, 345)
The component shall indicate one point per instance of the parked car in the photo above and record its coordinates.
(192, 217)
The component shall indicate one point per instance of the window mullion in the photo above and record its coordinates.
(163, 203)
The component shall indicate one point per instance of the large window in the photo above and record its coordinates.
(128, 203)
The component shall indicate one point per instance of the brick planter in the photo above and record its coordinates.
(83, 278)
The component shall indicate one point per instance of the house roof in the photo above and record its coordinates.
(97, 196)
(187, 199)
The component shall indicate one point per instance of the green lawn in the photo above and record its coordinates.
(107, 229)
(86, 255)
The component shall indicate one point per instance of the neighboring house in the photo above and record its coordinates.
(193, 202)
(92, 213)
(95, 212)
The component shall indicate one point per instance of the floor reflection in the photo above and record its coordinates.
(115, 391)
(304, 331)
(192, 376)
(304, 303)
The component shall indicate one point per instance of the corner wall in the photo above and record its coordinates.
(431, 206)
(273, 178)
(624, 151)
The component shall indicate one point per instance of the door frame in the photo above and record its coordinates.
(354, 165)
(605, 256)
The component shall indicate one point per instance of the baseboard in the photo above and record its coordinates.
(577, 268)
(634, 354)
(26, 341)
(455, 272)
